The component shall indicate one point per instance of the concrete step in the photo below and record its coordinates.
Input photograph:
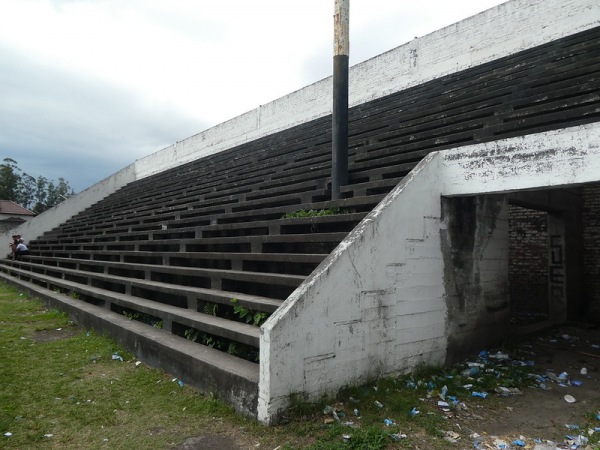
(230, 378)
(294, 264)
(122, 277)
(194, 295)
(164, 313)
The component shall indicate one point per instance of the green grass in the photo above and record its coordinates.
(74, 390)
(63, 389)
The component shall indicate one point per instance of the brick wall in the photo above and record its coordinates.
(528, 263)
(591, 253)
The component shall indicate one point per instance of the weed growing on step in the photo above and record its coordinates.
(248, 315)
(144, 318)
(225, 345)
(313, 213)
(211, 309)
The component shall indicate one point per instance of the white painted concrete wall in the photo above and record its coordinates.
(377, 304)
(371, 308)
(500, 31)
(62, 212)
(558, 158)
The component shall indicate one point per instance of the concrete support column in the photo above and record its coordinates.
(557, 269)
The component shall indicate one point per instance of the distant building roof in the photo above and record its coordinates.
(8, 207)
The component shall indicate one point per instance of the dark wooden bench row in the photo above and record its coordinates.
(177, 229)
(405, 126)
(291, 263)
(141, 294)
(216, 216)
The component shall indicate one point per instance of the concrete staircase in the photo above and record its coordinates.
(181, 252)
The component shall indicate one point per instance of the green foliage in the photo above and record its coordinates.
(248, 315)
(36, 194)
(210, 308)
(191, 335)
(131, 315)
(144, 318)
(313, 213)
(9, 180)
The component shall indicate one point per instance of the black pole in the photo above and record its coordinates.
(341, 45)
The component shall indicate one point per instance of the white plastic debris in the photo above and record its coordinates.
(570, 399)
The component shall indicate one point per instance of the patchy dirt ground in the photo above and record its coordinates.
(536, 416)
(55, 335)
(543, 413)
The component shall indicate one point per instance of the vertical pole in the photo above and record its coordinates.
(341, 46)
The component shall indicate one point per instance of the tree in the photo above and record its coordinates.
(36, 194)
(9, 180)
(26, 190)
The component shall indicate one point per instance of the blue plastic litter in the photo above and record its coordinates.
(479, 394)
(470, 371)
(518, 443)
(452, 399)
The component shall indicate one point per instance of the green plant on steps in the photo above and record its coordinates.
(191, 335)
(210, 308)
(248, 315)
(313, 213)
(131, 316)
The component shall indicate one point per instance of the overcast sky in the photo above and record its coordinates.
(89, 86)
